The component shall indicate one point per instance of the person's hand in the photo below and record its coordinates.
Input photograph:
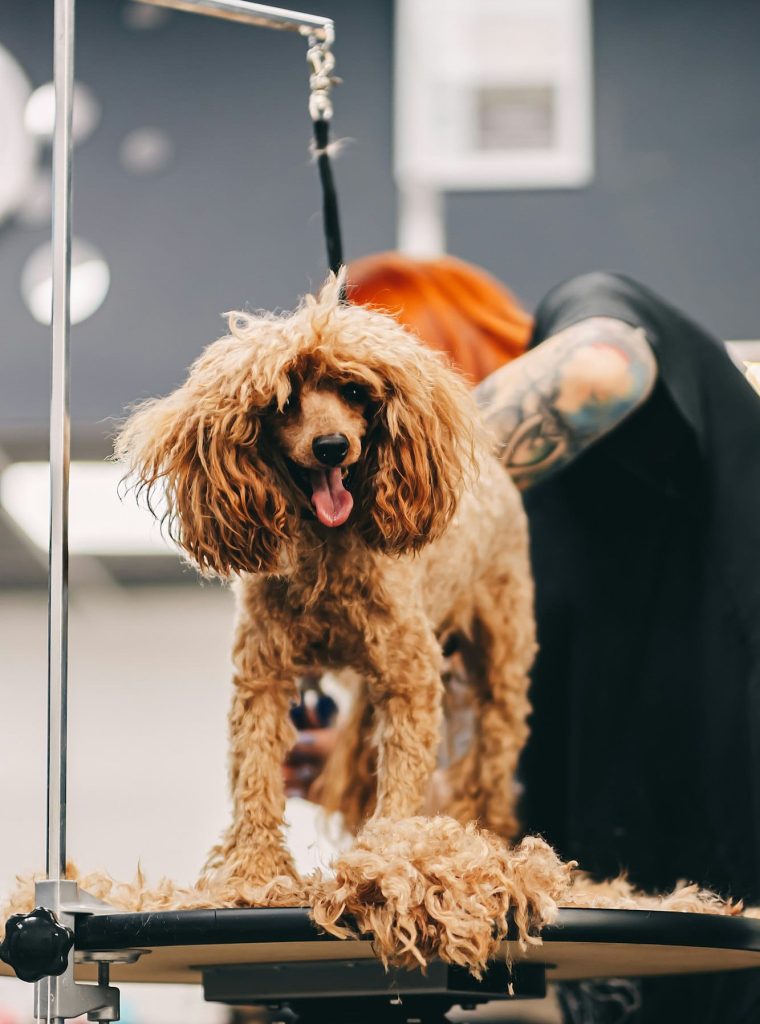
(307, 758)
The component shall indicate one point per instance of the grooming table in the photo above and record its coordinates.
(277, 957)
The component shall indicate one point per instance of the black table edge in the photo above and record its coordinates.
(211, 927)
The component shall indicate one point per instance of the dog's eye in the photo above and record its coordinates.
(353, 393)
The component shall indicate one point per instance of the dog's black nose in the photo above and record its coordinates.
(330, 449)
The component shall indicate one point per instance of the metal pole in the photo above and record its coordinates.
(60, 455)
(58, 583)
(254, 14)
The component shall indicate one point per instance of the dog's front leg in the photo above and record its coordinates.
(429, 887)
(261, 733)
(406, 691)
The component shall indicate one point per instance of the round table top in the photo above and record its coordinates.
(581, 944)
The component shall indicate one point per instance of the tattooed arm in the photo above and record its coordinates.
(549, 405)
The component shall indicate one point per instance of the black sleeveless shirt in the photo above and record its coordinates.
(645, 744)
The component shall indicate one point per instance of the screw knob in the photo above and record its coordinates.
(36, 945)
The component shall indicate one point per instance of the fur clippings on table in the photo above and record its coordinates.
(421, 888)
(138, 895)
(620, 894)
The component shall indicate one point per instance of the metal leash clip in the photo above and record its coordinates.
(322, 61)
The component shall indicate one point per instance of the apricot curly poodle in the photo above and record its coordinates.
(333, 466)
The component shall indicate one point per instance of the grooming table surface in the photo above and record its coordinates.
(582, 944)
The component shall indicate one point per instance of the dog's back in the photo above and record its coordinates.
(486, 541)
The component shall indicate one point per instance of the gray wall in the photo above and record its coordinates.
(235, 218)
(676, 197)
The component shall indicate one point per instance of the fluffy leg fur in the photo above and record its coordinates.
(253, 851)
(406, 692)
(430, 887)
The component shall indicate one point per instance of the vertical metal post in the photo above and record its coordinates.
(58, 584)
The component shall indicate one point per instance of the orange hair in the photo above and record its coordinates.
(451, 305)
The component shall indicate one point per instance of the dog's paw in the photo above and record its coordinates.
(222, 888)
(428, 888)
(241, 873)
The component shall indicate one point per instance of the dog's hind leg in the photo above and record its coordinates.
(498, 656)
(348, 781)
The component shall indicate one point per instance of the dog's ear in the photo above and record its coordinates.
(197, 460)
(420, 453)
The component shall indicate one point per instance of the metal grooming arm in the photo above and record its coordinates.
(254, 14)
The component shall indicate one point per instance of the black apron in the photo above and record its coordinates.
(645, 744)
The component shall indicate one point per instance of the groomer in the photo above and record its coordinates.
(636, 441)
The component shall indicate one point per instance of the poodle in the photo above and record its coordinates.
(335, 468)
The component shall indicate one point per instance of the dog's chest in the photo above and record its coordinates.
(328, 629)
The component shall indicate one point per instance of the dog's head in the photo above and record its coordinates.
(334, 413)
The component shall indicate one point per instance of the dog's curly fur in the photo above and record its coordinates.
(435, 545)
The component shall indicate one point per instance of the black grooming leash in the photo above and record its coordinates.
(330, 216)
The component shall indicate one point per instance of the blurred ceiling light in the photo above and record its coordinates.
(143, 17)
(99, 522)
(90, 280)
(18, 151)
(34, 211)
(146, 151)
(39, 113)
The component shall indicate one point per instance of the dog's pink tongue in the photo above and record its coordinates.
(331, 501)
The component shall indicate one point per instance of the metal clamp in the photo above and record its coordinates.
(322, 61)
(61, 996)
(39, 948)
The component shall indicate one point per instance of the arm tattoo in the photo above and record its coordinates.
(549, 405)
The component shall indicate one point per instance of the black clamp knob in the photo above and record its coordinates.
(36, 945)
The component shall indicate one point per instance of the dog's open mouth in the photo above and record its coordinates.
(328, 490)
